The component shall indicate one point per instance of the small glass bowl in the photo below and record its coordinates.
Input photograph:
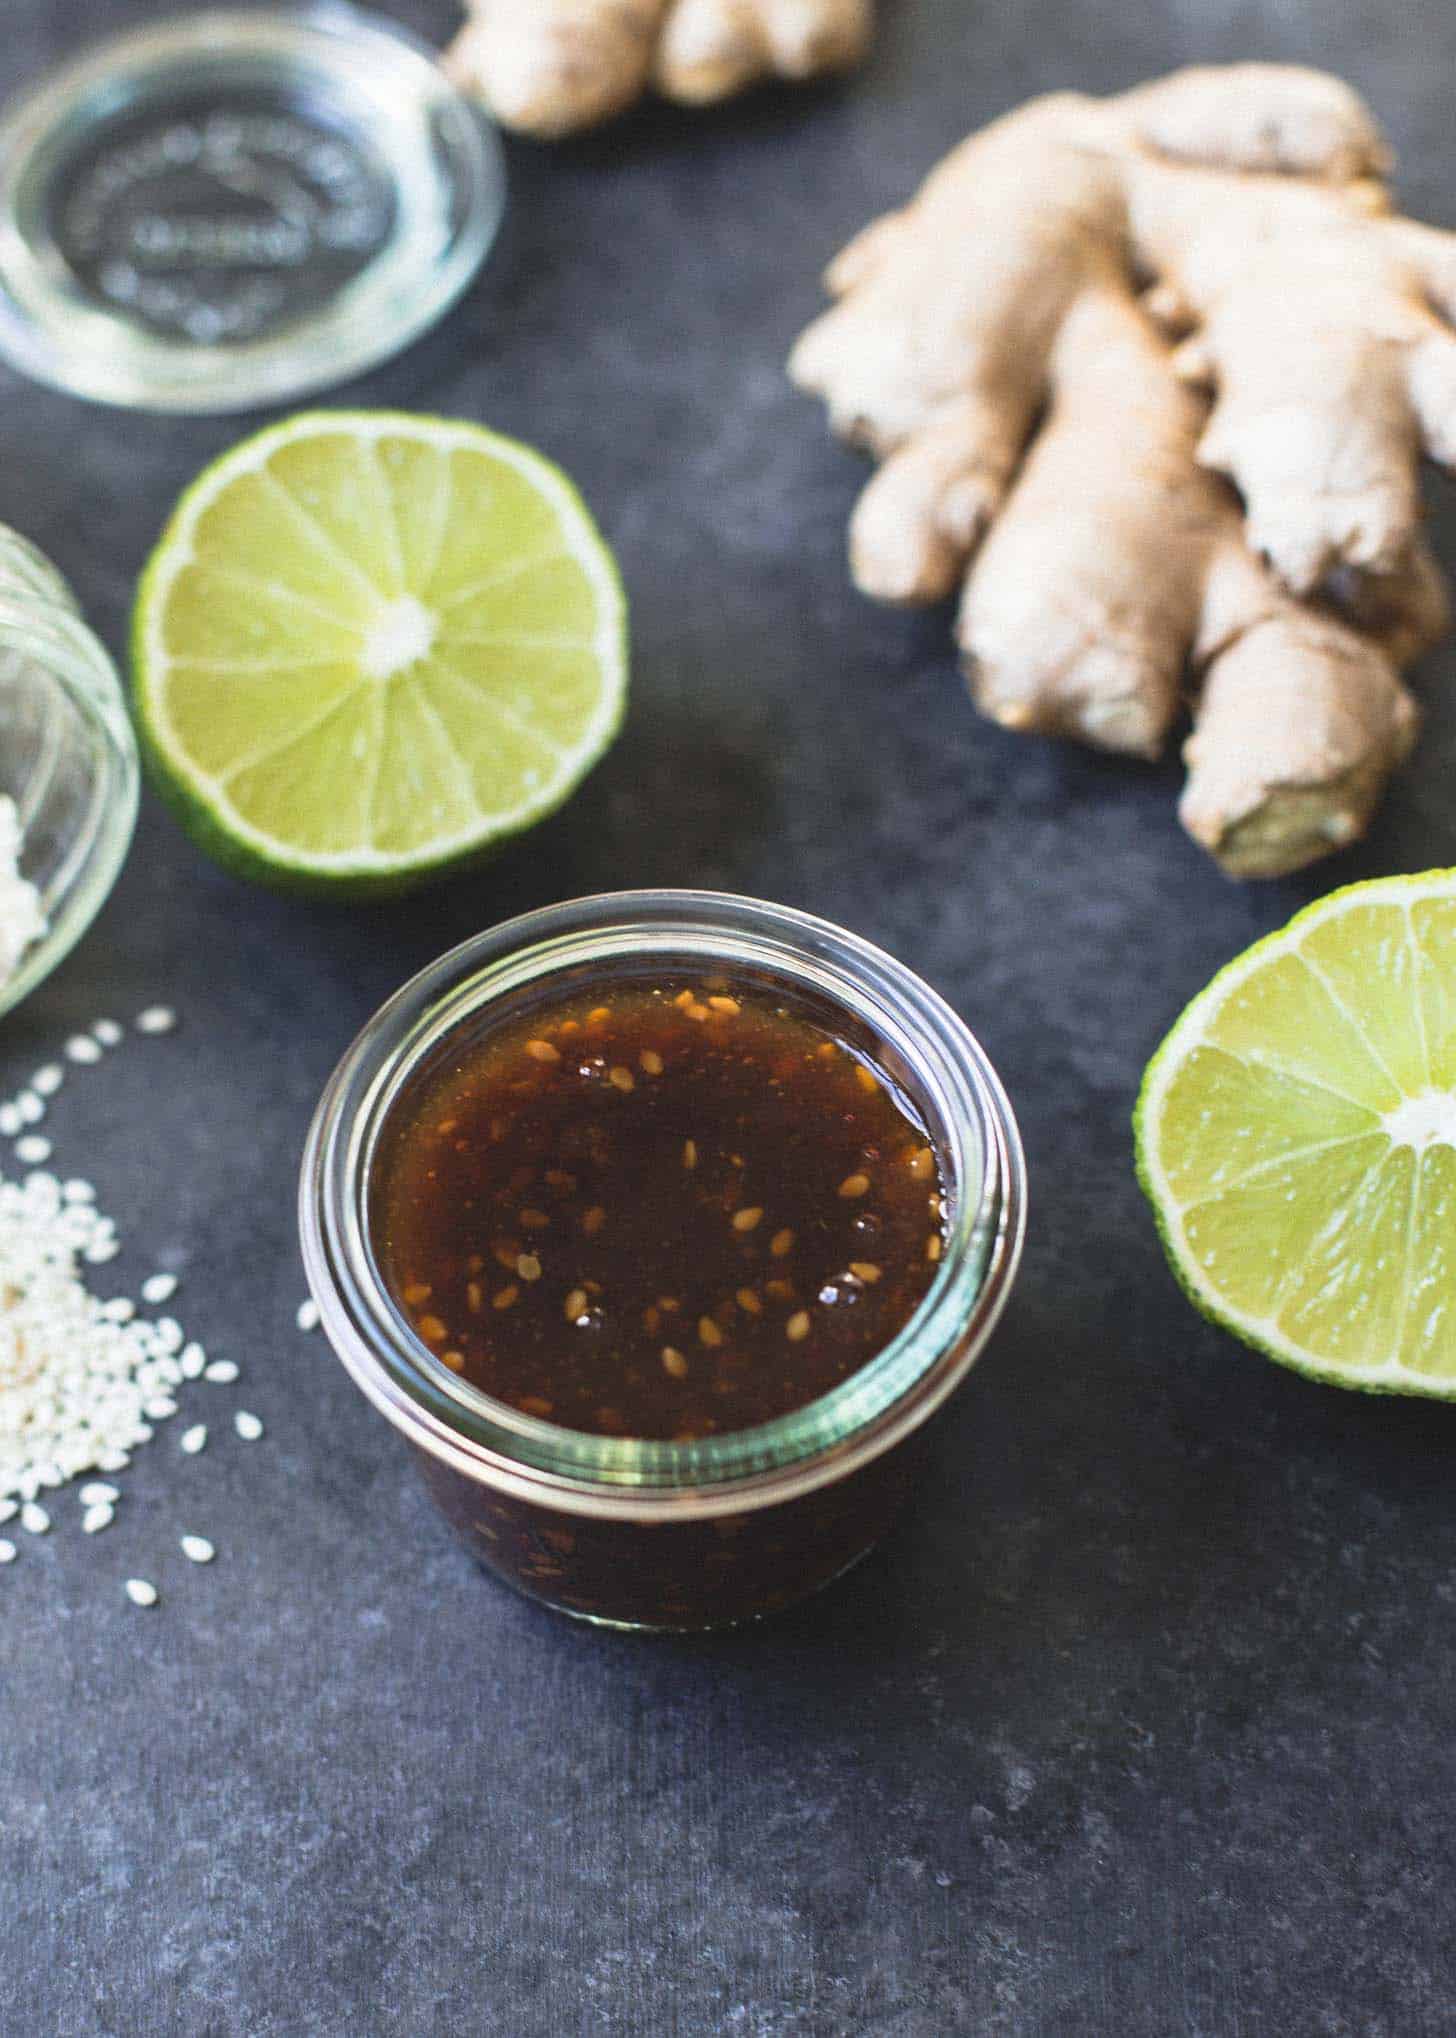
(68, 758)
(636, 1533)
(237, 206)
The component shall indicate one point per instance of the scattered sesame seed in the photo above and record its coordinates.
(747, 1220)
(650, 1061)
(168, 1333)
(574, 1306)
(192, 1362)
(7, 1550)
(9, 1509)
(690, 1153)
(159, 1287)
(535, 1404)
(432, 1329)
(454, 1360)
(29, 1108)
(192, 1440)
(97, 1518)
(198, 1549)
(306, 1316)
(247, 1426)
(674, 1362)
(528, 1267)
(797, 1327)
(748, 1300)
(921, 1163)
(416, 1293)
(854, 1185)
(534, 1220)
(34, 1519)
(140, 1593)
(865, 1079)
(77, 1191)
(696, 1010)
(505, 1297)
(107, 1032)
(708, 1331)
(599, 1015)
(593, 1221)
(932, 1247)
(96, 1493)
(725, 1005)
(221, 1372)
(11, 1123)
(82, 1048)
(33, 1149)
(542, 1050)
(621, 1079)
(475, 1296)
(156, 1019)
(46, 1081)
(782, 1243)
(866, 1271)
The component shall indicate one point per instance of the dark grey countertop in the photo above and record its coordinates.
(1141, 1724)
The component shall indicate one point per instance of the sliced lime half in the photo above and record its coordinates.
(1296, 1136)
(369, 646)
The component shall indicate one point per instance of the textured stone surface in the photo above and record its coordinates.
(1141, 1725)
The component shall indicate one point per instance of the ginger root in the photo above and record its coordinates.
(1095, 322)
(551, 67)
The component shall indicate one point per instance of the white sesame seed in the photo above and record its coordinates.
(34, 1519)
(221, 1372)
(7, 1550)
(9, 1509)
(156, 1019)
(168, 1333)
(140, 1593)
(107, 1032)
(159, 1287)
(97, 1518)
(193, 1439)
(159, 1407)
(307, 1317)
(96, 1493)
(33, 1149)
(198, 1548)
(113, 1461)
(29, 1108)
(11, 1122)
(82, 1048)
(247, 1426)
(192, 1361)
(120, 1309)
(76, 1191)
(45, 1082)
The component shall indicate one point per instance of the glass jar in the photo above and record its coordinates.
(68, 758)
(624, 1531)
(237, 206)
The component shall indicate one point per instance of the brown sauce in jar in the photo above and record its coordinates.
(658, 1208)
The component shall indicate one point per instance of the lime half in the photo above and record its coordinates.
(1296, 1136)
(369, 646)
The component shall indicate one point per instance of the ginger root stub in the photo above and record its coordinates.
(552, 67)
(1098, 325)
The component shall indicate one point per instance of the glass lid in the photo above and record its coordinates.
(230, 208)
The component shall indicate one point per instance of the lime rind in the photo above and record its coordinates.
(1430, 1201)
(594, 697)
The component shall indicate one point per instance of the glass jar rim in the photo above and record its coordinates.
(866, 1413)
(40, 624)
